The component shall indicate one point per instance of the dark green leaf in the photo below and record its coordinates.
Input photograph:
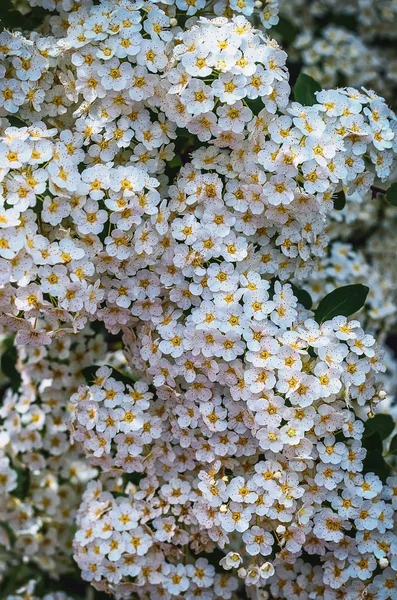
(11, 18)
(347, 21)
(175, 162)
(286, 29)
(381, 424)
(8, 367)
(391, 194)
(89, 374)
(375, 463)
(134, 478)
(340, 200)
(305, 88)
(393, 445)
(345, 301)
(373, 442)
(303, 296)
(255, 105)
(35, 17)
(23, 484)
(5, 7)
(9, 531)
(341, 80)
(126, 378)
(339, 435)
(15, 578)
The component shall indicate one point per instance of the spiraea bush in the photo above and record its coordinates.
(198, 393)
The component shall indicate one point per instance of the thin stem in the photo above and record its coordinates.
(391, 466)
(377, 190)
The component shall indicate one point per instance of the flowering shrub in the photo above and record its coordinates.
(191, 401)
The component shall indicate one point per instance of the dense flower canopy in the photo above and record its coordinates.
(183, 419)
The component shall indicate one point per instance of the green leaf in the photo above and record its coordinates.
(12, 18)
(381, 424)
(134, 478)
(393, 445)
(35, 17)
(89, 374)
(391, 194)
(286, 29)
(9, 17)
(345, 301)
(303, 296)
(373, 442)
(340, 200)
(175, 162)
(346, 21)
(305, 88)
(8, 367)
(23, 484)
(255, 105)
(15, 577)
(375, 463)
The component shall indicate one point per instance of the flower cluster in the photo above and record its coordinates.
(374, 17)
(42, 475)
(382, 248)
(236, 450)
(344, 265)
(358, 48)
(41, 174)
(338, 55)
(268, 178)
(27, 592)
(162, 192)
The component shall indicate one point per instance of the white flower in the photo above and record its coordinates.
(236, 518)
(234, 117)
(258, 541)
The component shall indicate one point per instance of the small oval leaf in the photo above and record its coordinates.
(375, 463)
(373, 442)
(345, 301)
(393, 445)
(303, 297)
(391, 194)
(305, 90)
(381, 424)
(286, 29)
(89, 374)
(8, 365)
(340, 200)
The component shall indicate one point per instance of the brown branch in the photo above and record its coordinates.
(377, 190)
